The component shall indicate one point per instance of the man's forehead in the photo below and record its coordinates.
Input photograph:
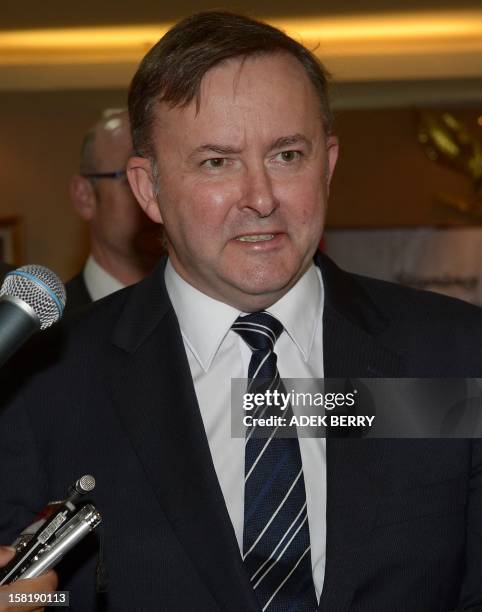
(231, 75)
(270, 83)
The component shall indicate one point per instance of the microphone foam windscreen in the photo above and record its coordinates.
(40, 288)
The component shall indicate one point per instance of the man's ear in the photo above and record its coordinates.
(142, 182)
(332, 155)
(83, 197)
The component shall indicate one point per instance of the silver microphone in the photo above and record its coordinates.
(60, 526)
(32, 298)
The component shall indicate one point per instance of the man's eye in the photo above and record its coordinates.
(289, 156)
(214, 162)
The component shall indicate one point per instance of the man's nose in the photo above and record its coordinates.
(258, 192)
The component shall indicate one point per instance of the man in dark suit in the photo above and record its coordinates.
(234, 154)
(125, 244)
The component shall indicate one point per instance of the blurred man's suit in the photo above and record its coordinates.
(403, 516)
(77, 293)
(92, 283)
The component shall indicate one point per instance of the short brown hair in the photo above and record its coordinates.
(172, 70)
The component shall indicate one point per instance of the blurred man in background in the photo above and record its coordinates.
(124, 243)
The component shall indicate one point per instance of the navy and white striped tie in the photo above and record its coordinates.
(276, 540)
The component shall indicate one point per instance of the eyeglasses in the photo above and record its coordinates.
(100, 175)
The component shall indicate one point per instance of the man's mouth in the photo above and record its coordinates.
(256, 238)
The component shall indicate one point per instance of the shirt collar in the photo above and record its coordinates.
(204, 321)
(99, 283)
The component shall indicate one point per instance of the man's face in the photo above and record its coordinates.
(243, 183)
(120, 228)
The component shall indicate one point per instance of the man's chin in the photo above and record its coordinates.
(257, 294)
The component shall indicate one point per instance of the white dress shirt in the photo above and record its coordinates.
(99, 283)
(216, 354)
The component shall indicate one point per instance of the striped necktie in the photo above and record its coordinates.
(276, 539)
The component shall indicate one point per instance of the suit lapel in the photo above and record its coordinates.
(352, 326)
(156, 402)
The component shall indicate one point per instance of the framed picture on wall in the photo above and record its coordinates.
(10, 240)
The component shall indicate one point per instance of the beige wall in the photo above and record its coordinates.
(40, 136)
(383, 177)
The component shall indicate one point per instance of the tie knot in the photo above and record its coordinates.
(259, 330)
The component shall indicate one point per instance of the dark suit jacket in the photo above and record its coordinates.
(77, 294)
(404, 517)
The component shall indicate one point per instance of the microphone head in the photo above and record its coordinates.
(85, 484)
(38, 287)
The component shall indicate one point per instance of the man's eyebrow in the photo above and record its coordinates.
(220, 149)
(215, 148)
(288, 141)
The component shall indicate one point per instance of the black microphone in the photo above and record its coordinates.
(32, 298)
